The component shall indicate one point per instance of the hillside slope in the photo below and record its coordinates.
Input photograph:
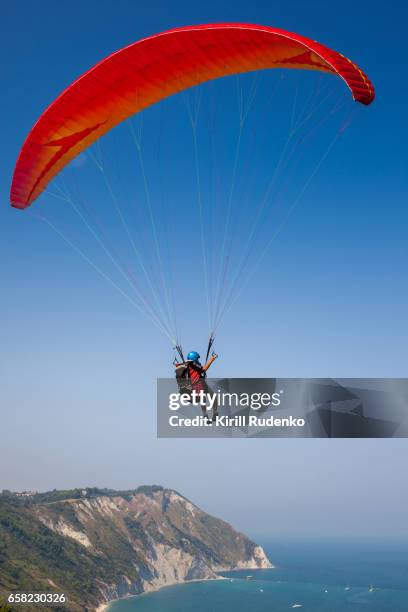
(97, 545)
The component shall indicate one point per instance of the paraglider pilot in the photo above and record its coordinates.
(191, 375)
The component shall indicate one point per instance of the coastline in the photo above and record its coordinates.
(104, 607)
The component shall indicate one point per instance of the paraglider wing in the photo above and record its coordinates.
(152, 69)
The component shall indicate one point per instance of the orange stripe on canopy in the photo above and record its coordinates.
(148, 71)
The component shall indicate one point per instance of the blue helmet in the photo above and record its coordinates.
(193, 356)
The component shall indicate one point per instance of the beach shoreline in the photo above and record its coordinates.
(104, 607)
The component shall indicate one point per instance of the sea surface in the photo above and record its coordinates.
(330, 576)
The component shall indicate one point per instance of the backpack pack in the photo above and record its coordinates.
(183, 376)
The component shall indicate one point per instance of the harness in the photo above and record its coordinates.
(188, 376)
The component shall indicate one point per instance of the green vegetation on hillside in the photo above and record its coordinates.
(95, 544)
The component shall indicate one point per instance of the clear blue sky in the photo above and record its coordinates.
(79, 365)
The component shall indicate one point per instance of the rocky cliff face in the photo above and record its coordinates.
(141, 540)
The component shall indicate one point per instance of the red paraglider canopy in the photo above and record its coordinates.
(151, 69)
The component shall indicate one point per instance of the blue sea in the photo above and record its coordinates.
(330, 576)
